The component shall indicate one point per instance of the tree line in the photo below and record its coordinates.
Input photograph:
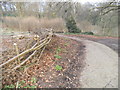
(98, 18)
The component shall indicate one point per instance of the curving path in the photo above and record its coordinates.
(101, 65)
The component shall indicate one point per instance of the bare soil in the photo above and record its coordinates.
(72, 62)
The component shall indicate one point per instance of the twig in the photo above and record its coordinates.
(34, 48)
(41, 53)
(17, 51)
(25, 52)
(24, 61)
(37, 61)
(17, 84)
(43, 50)
(25, 71)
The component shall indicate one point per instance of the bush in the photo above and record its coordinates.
(57, 24)
(11, 22)
(34, 24)
(88, 33)
(71, 25)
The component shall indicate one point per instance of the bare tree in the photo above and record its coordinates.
(110, 6)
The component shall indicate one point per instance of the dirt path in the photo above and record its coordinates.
(101, 69)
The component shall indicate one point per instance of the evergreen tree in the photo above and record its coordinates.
(71, 25)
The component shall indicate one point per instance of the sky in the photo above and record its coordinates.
(91, 1)
(82, 1)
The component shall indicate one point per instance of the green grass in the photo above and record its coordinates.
(58, 68)
(33, 80)
(58, 50)
(82, 33)
(9, 86)
(88, 34)
(72, 33)
(66, 44)
(57, 56)
(21, 83)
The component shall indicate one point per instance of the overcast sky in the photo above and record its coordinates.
(91, 1)
(82, 1)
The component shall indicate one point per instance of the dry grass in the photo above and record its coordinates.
(30, 23)
(33, 23)
(11, 22)
(57, 24)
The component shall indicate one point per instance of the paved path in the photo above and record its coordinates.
(111, 42)
(101, 69)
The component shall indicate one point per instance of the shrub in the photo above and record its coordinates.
(30, 23)
(71, 25)
(33, 23)
(57, 24)
(11, 22)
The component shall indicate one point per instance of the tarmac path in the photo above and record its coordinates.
(101, 65)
